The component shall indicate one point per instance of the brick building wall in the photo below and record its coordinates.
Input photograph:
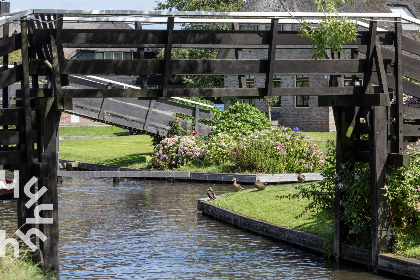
(312, 118)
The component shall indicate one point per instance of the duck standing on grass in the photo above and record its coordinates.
(210, 194)
(236, 186)
(301, 177)
(259, 185)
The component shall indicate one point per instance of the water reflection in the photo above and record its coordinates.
(152, 230)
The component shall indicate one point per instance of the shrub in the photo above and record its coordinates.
(402, 189)
(278, 151)
(239, 120)
(176, 151)
(220, 149)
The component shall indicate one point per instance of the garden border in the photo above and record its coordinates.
(408, 267)
(91, 170)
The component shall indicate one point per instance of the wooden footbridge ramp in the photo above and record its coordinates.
(153, 117)
(382, 57)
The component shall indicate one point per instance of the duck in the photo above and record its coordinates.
(259, 185)
(236, 186)
(300, 177)
(210, 193)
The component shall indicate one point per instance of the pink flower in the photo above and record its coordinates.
(195, 132)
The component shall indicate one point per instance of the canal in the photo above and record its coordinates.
(152, 230)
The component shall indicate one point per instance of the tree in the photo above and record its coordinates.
(201, 5)
(193, 81)
(332, 31)
(269, 103)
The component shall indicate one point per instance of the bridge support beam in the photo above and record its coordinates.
(380, 215)
(48, 122)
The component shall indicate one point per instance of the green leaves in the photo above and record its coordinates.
(201, 5)
(240, 119)
(331, 32)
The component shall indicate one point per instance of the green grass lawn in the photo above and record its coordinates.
(267, 206)
(126, 151)
(91, 130)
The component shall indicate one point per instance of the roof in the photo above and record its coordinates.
(365, 6)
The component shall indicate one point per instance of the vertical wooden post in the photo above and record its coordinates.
(378, 147)
(378, 153)
(5, 91)
(26, 170)
(271, 56)
(56, 75)
(140, 53)
(149, 115)
(369, 55)
(196, 116)
(399, 86)
(48, 122)
(238, 55)
(168, 56)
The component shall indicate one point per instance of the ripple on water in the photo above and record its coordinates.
(152, 230)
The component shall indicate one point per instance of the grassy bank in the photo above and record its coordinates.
(22, 269)
(277, 205)
(91, 130)
(127, 151)
(274, 206)
(135, 150)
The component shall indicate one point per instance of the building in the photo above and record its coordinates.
(303, 111)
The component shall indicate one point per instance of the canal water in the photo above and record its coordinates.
(152, 230)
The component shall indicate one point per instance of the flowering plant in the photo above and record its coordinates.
(221, 149)
(402, 188)
(176, 151)
(278, 151)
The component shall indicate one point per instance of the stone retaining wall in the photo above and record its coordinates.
(407, 267)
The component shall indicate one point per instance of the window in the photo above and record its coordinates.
(400, 9)
(276, 81)
(249, 81)
(113, 55)
(350, 81)
(302, 101)
(277, 84)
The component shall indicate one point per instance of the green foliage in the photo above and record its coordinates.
(403, 191)
(270, 102)
(199, 81)
(353, 181)
(195, 81)
(239, 120)
(177, 151)
(321, 194)
(220, 149)
(182, 127)
(332, 32)
(214, 109)
(201, 5)
(15, 56)
(278, 151)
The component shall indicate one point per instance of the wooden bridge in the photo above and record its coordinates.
(153, 117)
(28, 137)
